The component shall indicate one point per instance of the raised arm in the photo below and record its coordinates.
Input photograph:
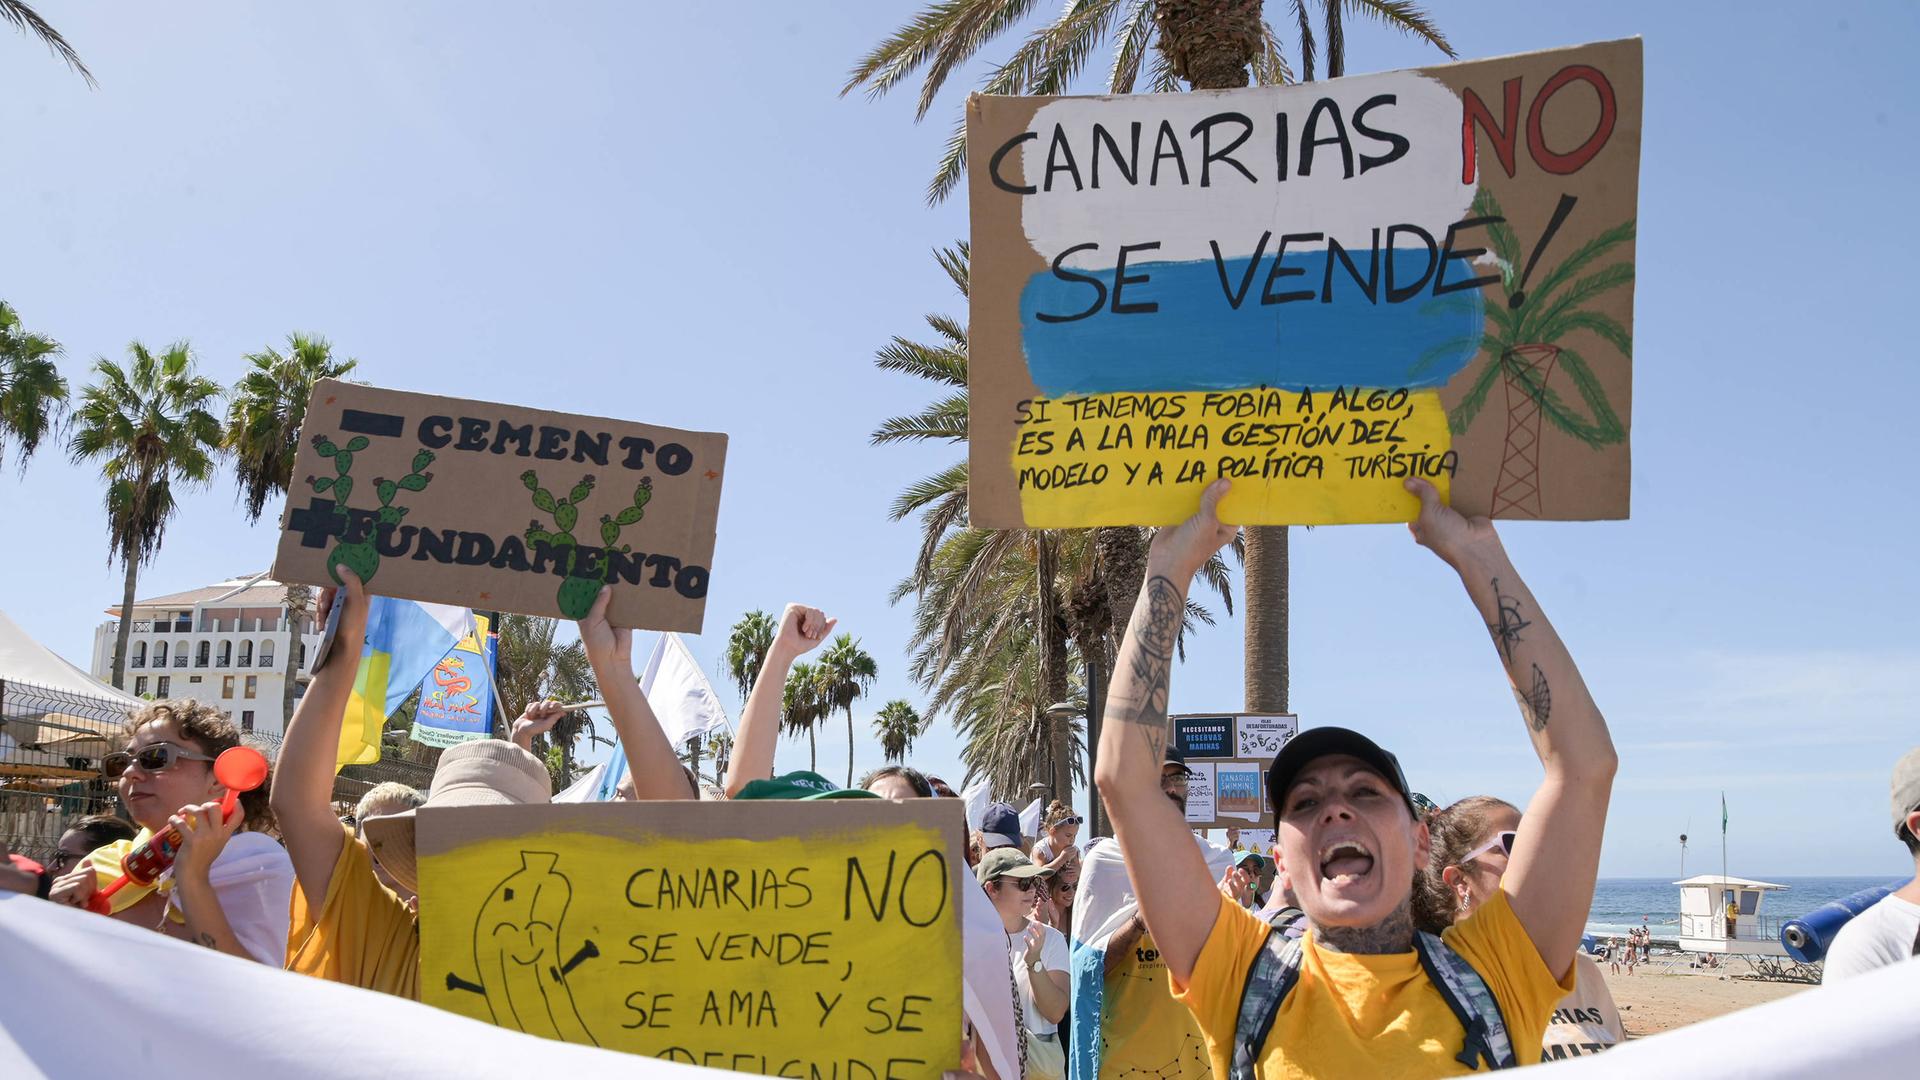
(302, 795)
(1177, 895)
(1550, 876)
(655, 768)
(801, 629)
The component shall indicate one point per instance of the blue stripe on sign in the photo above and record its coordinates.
(1197, 339)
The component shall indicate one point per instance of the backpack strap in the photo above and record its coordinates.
(1916, 943)
(1275, 968)
(1472, 1003)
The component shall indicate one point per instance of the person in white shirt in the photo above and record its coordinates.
(1040, 957)
(1889, 931)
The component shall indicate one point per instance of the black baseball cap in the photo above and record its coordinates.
(1175, 757)
(1303, 749)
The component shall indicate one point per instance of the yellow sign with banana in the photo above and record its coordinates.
(812, 938)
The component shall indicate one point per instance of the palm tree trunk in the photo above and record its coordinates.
(1266, 606)
(1053, 666)
(126, 624)
(813, 751)
(1122, 562)
(849, 744)
(1096, 701)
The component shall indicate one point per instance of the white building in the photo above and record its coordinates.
(1705, 925)
(225, 644)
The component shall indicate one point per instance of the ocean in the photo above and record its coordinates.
(1619, 903)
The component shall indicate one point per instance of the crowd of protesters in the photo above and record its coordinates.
(1380, 935)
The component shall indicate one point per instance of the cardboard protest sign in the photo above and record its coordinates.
(1229, 754)
(502, 507)
(817, 938)
(1317, 290)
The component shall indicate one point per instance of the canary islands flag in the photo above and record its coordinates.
(405, 640)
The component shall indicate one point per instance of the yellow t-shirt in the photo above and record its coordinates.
(1144, 1031)
(1352, 1015)
(363, 934)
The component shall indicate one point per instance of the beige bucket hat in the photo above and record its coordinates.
(486, 772)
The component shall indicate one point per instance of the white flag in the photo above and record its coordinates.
(978, 798)
(1030, 818)
(679, 692)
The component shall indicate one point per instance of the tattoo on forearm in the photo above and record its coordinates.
(1159, 629)
(1506, 632)
(1536, 701)
(206, 939)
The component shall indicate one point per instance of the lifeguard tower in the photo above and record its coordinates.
(1703, 917)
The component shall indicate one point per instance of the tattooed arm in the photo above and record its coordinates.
(1177, 895)
(1550, 876)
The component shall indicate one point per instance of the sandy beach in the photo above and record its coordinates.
(1652, 1000)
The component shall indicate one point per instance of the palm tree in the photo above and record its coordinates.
(747, 647)
(898, 725)
(846, 673)
(149, 426)
(1058, 569)
(26, 20)
(32, 393)
(1527, 342)
(532, 665)
(265, 412)
(803, 704)
(1211, 45)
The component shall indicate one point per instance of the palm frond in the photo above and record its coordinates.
(957, 261)
(1506, 246)
(1270, 63)
(1336, 41)
(1436, 354)
(938, 364)
(1605, 326)
(900, 55)
(944, 419)
(29, 22)
(1303, 24)
(1133, 41)
(1555, 410)
(1569, 298)
(952, 167)
(1161, 78)
(944, 484)
(1462, 416)
(980, 21)
(1577, 262)
(1608, 426)
(1070, 41)
(1407, 17)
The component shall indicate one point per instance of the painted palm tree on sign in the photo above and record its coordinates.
(897, 725)
(846, 674)
(803, 704)
(747, 646)
(265, 411)
(32, 393)
(1209, 44)
(150, 428)
(28, 21)
(1526, 343)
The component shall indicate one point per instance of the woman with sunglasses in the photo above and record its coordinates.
(1061, 828)
(1472, 840)
(1039, 953)
(231, 882)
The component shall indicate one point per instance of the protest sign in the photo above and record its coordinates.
(1230, 753)
(1264, 736)
(1317, 290)
(456, 697)
(471, 503)
(1200, 793)
(1203, 736)
(783, 938)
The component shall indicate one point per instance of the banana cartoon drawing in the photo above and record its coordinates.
(516, 950)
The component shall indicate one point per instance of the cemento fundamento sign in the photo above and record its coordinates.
(502, 507)
(800, 939)
(1316, 290)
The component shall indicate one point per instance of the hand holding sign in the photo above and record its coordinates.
(1184, 549)
(1446, 532)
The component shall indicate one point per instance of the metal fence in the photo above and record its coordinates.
(51, 742)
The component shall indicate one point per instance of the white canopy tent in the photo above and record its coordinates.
(45, 701)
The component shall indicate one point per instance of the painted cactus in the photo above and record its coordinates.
(361, 556)
(579, 590)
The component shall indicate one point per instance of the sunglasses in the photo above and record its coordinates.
(1501, 840)
(61, 860)
(1063, 822)
(152, 758)
(1025, 884)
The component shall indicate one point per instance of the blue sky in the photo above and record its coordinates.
(664, 212)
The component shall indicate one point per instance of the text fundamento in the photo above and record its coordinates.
(500, 507)
(803, 939)
(1315, 290)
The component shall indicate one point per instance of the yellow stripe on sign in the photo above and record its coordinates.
(366, 714)
(1307, 458)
